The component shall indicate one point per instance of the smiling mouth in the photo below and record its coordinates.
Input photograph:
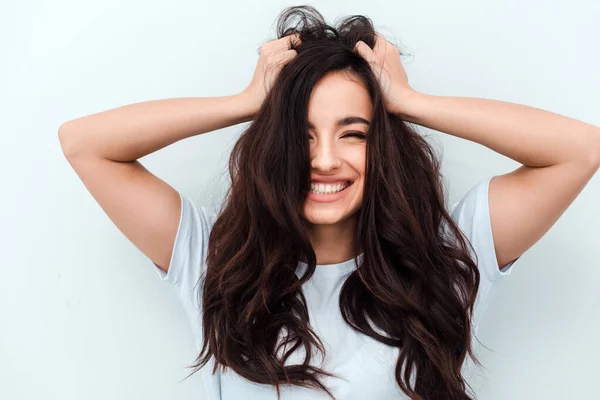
(322, 189)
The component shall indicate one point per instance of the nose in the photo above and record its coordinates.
(324, 156)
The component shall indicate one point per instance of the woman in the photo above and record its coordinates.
(334, 236)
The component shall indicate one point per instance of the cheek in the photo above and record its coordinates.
(359, 164)
(356, 157)
(360, 191)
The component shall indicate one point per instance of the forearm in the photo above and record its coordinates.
(132, 131)
(528, 135)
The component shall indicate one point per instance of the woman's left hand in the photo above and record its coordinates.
(385, 62)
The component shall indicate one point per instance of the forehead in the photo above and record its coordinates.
(336, 96)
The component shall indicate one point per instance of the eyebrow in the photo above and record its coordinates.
(349, 120)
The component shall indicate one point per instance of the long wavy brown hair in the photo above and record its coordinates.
(417, 281)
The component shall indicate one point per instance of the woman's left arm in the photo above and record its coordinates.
(559, 154)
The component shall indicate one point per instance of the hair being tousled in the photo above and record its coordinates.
(417, 282)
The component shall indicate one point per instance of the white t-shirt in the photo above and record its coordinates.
(367, 365)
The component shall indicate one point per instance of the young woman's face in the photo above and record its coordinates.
(339, 111)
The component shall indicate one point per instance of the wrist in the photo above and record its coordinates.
(246, 105)
(412, 102)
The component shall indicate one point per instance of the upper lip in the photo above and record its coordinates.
(329, 179)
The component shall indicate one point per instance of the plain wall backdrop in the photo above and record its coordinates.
(82, 313)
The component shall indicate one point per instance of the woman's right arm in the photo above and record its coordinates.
(103, 149)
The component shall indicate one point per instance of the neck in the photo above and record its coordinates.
(333, 243)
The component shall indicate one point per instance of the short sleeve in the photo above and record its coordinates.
(188, 258)
(472, 215)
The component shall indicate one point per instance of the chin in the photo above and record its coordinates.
(324, 217)
(323, 220)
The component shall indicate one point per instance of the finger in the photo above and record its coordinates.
(380, 47)
(285, 43)
(379, 43)
(294, 39)
(280, 59)
(276, 64)
(364, 51)
(368, 54)
(277, 61)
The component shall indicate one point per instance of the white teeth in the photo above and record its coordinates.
(320, 188)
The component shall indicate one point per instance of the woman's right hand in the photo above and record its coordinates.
(273, 56)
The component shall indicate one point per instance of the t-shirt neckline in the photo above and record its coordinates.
(336, 269)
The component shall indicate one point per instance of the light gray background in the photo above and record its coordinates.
(82, 314)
